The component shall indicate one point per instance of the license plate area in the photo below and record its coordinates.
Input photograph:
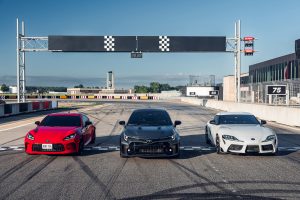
(252, 149)
(47, 146)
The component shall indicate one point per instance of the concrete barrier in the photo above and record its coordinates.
(280, 114)
(195, 101)
(19, 108)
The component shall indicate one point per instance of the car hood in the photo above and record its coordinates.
(246, 132)
(149, 132)
(46, 132)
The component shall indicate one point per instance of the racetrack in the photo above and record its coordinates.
(101, 174)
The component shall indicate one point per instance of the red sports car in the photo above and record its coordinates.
(62, 133)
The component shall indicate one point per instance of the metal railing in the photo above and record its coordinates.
(257, 93)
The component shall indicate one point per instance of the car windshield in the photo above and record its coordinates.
(238, 119)
(61, 121)
(150, 118)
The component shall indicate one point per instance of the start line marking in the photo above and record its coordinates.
(117, 148)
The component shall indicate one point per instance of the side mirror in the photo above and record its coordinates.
(176, 123)
(122, 123)
(212, 122)
(262, 122)
(37, 123)
(88, 123)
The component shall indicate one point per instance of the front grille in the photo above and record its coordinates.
(55, 148)
(268, 147)
(252, 148)
(153, 148)
(235, 147)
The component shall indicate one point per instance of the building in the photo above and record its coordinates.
(277, 69)
(201, 86)
(13, 89)
(110, 80)
(79, 91)
(283, 70)
(229, 86)
(115, 91)
(297, 48)
(199, 91)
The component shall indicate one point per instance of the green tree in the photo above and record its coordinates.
(166, 87)
(79, 86)
(155, 87)
(4, 88)
(141, 89)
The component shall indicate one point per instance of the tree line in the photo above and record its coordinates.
(156, 87)
(36, 89)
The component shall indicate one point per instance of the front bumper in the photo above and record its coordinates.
(155, 149)
(58, 147)
(249, 147)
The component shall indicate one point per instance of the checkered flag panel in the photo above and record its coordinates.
(164, 43)
(109, 43)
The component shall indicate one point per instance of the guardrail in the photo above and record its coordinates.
(88, 96)
(18, 108)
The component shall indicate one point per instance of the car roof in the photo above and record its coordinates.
(234, 113)
(149, 109)
(65, 114)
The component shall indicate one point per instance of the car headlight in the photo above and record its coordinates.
(125, 137)
(230, 137)
(30, 137)
(270, 138)
(173, 137)
(69, 137)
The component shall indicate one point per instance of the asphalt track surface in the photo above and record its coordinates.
(199, 173)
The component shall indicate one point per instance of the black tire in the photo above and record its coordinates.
(178, 155)
(80, 150)
(206, 136)
(275, 153)
(93, 138)
(218, 148)
(121, 155)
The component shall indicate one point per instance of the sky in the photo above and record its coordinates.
(274, 22)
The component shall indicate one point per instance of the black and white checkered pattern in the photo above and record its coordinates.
(164, 43)
(109, 43)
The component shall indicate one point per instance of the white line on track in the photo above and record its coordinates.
(33, 119)
(117, 148)
(7, 129)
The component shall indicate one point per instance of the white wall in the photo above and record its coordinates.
(198, 90)
(280, 114)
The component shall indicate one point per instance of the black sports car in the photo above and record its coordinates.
(150, 133)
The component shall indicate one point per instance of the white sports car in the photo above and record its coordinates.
(240, 132)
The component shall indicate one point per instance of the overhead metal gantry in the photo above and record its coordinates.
(132, 44)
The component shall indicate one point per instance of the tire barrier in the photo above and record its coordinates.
(7, 109)
(35, 105)
(116, 97)
(23, 107)
(19, 108)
